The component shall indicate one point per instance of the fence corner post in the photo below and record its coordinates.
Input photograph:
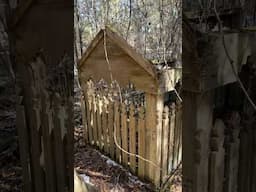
(154, 106)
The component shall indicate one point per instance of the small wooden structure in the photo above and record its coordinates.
(146, 129)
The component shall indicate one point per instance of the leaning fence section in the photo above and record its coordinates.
(117, 127)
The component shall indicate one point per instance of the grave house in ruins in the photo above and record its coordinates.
(140, 122)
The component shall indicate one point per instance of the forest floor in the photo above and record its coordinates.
(10, 167)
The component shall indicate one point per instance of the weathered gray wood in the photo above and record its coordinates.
(94, 121)
(132, 139)
(141, 143)
(70, 144)
(111, 129)
(24, 147)
(35, 138)
(165, 136)
(100, 136)
(197, 123)
(217, 154)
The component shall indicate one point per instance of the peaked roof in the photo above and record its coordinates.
(126, 63)
(111, 35)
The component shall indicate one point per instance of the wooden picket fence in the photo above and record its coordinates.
(105, 117)
(45, 130)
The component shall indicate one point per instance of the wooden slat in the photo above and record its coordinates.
(24, 147)
(59, 150)
(165, 136)
(150, 121)
(132, 139)
(124, 135)
(100, 136)
(180, 133)
(141, 143)
(94, 121)
(89, 118)
(171, 137)
(36, 149)
(70, 144)
(84, 119)
(117, 130)
(105, 126)
(111, 129)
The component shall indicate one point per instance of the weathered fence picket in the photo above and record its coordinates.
(124, 134)
(132, 139)
(165, 130)
(117, 124)
(111, 129)
(141, 143)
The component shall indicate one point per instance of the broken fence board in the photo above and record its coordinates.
(111, 129)
(24, 147)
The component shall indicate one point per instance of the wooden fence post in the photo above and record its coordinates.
(196, 124)
(104, 124)
(154, 109)
(165, 136)
(47, 126)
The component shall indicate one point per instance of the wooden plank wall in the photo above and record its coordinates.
(127, 122)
